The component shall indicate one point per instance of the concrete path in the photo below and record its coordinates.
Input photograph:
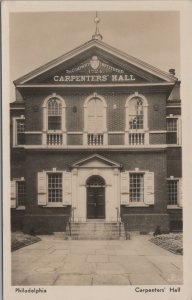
(59, 262)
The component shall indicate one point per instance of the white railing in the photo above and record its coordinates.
(136, 138)
(54, 139)
(95, 139)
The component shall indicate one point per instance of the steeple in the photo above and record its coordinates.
(97, 35)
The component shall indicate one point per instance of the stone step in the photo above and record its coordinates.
(97, 231)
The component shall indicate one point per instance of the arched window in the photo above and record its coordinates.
(54, 132)
(54, 114)
(136, 120)
(95, 132)
(95, 122)
(136, 113)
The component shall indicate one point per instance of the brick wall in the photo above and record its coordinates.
(154, 162)
(174, 162)
(157, 138)
(75, 111)
(145, 222)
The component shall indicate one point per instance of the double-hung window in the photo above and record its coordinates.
(19, 131)
(54, 131)
(136, 113)
(20, 185)
(172, 131)
(55, 191)
(174, 190)
(54, 114)
(54, 188)
(136, 187)
(136, 120)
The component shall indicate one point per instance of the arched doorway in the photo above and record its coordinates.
(95, 197)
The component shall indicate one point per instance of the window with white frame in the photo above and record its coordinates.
(18, 193)
(95, 120)
(54, 121)
(55, 190)
(19, 131)
(172, 130)
(54, 114)
(173, 187)
(136, 120)
(136, 187)
(136, 113)
(20, 186)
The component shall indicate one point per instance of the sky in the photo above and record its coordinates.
(37, 38)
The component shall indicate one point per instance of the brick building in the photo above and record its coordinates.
(96, 133)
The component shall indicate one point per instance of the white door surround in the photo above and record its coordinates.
(109, 171)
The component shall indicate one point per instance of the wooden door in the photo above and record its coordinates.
(95, 202)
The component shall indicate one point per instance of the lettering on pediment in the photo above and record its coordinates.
(94, 70)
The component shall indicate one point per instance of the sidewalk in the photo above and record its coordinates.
(62, 262)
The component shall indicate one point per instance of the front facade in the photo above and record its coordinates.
(96, 133)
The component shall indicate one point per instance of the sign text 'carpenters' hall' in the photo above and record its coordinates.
(94, 78)
(94, 70)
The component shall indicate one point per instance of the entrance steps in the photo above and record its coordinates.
(97, 230)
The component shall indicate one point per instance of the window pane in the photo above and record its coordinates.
(20, 193)
(55, 187)
(54, 107)
(171, 131)
(136, 113)
(136, 186)
(172, 192)
(20, 132)
(54, 122)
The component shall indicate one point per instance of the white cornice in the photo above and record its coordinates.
(103, 46)
(94, 85)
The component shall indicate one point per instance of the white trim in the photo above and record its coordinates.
(14, 108)
(173, 207)
(162, 146)
(138, 204)
(145, 119)
(85, 106)
(95, 85)
(107, 48)
(174, 106)
(179, 131)
(54, 204)
(45, 118)
(33, 132)
(21, 207)
(172, 116)
(21, 117)
(157, 131)
(97, 156)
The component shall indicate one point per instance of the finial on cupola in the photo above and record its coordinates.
(97, 35)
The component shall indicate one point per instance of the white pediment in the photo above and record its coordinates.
(96, 161)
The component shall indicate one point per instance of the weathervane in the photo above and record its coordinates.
(97, 35)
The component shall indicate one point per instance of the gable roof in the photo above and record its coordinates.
(100, 46)
(97, 157)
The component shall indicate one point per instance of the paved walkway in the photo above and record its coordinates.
(59, 262)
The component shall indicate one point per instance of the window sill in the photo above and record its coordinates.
(55, 205)
(20, 208)
(137, 204)
(173, 207)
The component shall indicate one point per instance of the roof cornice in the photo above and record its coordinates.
(100, 45)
